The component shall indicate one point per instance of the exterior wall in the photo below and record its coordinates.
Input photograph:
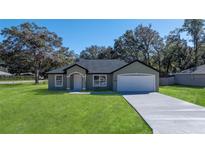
(135, 67)
(71, 82)
(167, 81)
(89, 82)
(190, 79)
(51, 82)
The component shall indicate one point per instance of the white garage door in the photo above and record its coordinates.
(136, 83)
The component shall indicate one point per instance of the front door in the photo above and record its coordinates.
(77, 82)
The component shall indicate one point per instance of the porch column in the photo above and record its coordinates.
(84, 82)
(68, 82)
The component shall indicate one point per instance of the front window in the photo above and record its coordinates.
(59, 81)
(100, 80)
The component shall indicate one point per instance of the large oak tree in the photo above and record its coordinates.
(98, 52)
(34, 44)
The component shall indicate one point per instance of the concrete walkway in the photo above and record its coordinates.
(168, 115)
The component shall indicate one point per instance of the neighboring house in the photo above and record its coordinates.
(5, 74)
(27, 74)
(3, 66)
(115, 75)
(194, 76)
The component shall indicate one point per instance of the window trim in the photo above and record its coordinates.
(105, 75)
(55, 80)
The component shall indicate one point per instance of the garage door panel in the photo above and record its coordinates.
(136, 83)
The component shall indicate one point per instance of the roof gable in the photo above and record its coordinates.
(134, 62)
(73, 66)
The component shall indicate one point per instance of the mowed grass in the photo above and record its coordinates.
(191, 94)
(33, 109)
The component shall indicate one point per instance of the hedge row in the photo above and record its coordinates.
(11, 78)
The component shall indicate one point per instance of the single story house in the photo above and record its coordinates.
(194, 76)
(116, 75)
(5, 74)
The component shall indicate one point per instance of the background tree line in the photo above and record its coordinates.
(31, 48)
(170, 54)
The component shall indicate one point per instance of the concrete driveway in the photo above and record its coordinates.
(168, 115)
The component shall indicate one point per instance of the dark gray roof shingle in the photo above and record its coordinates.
(58, 70)
(101, 66)
(94, 66)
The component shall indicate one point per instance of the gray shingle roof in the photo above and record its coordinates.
(94, 66)
(195, 70)
(58, 70)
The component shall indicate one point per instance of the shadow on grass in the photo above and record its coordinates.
(62, 92)
(135, 93)
(105, 94)
(48, 92)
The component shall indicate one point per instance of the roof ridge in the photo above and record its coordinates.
(95, 65)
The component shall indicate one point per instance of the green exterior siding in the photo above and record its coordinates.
(136, 67)
(51, 82)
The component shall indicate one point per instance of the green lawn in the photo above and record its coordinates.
(194, 95)
(30, 108)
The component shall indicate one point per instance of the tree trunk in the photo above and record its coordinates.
(36, 76)
(168, 65)
(145, 57)
(196, 56)
(148, 59)
(159, 61)
(196, 52)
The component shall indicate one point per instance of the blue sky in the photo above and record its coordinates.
(78, 34)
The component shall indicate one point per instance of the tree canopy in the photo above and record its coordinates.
(168, 54)
(32, 48)
(195, 28)
(98, 52)
(28, 47)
